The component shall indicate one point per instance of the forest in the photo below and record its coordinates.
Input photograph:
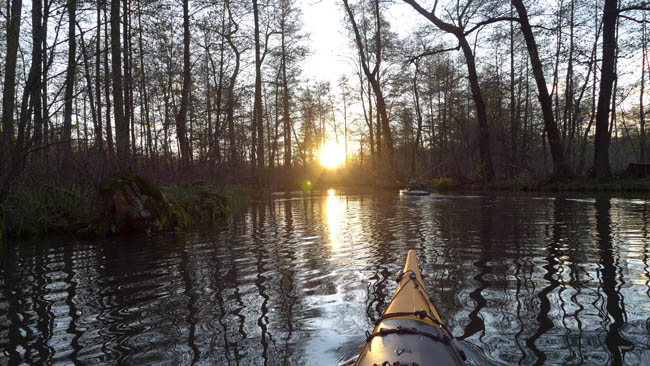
(216, 90)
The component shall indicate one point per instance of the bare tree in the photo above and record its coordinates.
(258, 128)
(607, 75)
(121, 125)
(373, 76)
(561, 170)
(458, 30)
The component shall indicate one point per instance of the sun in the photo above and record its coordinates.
(332, 155)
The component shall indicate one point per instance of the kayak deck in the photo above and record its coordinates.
(410, 332)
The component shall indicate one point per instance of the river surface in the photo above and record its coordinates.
(298, 280)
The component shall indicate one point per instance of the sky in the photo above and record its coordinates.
(330, 45)
(332, 50)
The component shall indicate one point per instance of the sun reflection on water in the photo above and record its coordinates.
(334, 210)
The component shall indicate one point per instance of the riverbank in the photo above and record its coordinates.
(123, 204)
(576, 185)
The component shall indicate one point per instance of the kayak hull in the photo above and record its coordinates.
(410, 332)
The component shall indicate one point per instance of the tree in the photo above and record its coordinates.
(458, 30)
(9, 88)
(258, 128)
(561, 170)
(70, 77)
(107, 88)
(89, 90)
(290, 53)
(37, 60)
(644, 58)
(607, 75)
(121, 125)
(181, 118)
(418, 111)
(228, 32)
(373, 75)
(143, 84)
(99, 140)
(345, 94)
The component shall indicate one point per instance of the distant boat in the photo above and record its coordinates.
(413, 192)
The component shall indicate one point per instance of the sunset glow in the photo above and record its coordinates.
(332, 155)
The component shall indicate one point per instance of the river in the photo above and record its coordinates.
(299, 279)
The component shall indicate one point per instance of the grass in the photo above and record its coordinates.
(35, 213)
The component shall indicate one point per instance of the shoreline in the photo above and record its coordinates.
(54, 212)
(112, 210)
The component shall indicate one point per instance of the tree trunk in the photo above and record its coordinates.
(257, 106)
(373, 79)
(181, 118)
(513, 122)
(121, 125)
(486, 168)
(561, 170)
(9, 85)
(44, 77)
(642, 148)
(286, 118)
(107, 91)
(418, 134)
(37, 64)
(378, 125)
(89, 86)
(230, 90)
(367, 114)
(370, 123)
(555, 94)
(70, 78)
(208, 106)
(607, 76)
(99, 140)
(344, 86)
(143, 86)
(592, 114)
(128, 89)
(219, 84)
(568, 90)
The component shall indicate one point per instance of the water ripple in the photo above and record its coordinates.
(521, 280)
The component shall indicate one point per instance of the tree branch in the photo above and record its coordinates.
(490, 21)
(640, 21)
(645, 6)
(412, 59)
(449, 28)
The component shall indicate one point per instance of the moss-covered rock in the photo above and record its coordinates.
(131, 203)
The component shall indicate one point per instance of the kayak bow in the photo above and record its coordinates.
(410, 332)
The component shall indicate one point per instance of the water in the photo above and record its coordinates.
(519, 280)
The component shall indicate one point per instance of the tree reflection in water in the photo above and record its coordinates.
(616, 342)
(299, 279)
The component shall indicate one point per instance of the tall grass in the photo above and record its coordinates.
(28, 214)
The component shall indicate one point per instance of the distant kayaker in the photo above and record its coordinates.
(413, 185)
